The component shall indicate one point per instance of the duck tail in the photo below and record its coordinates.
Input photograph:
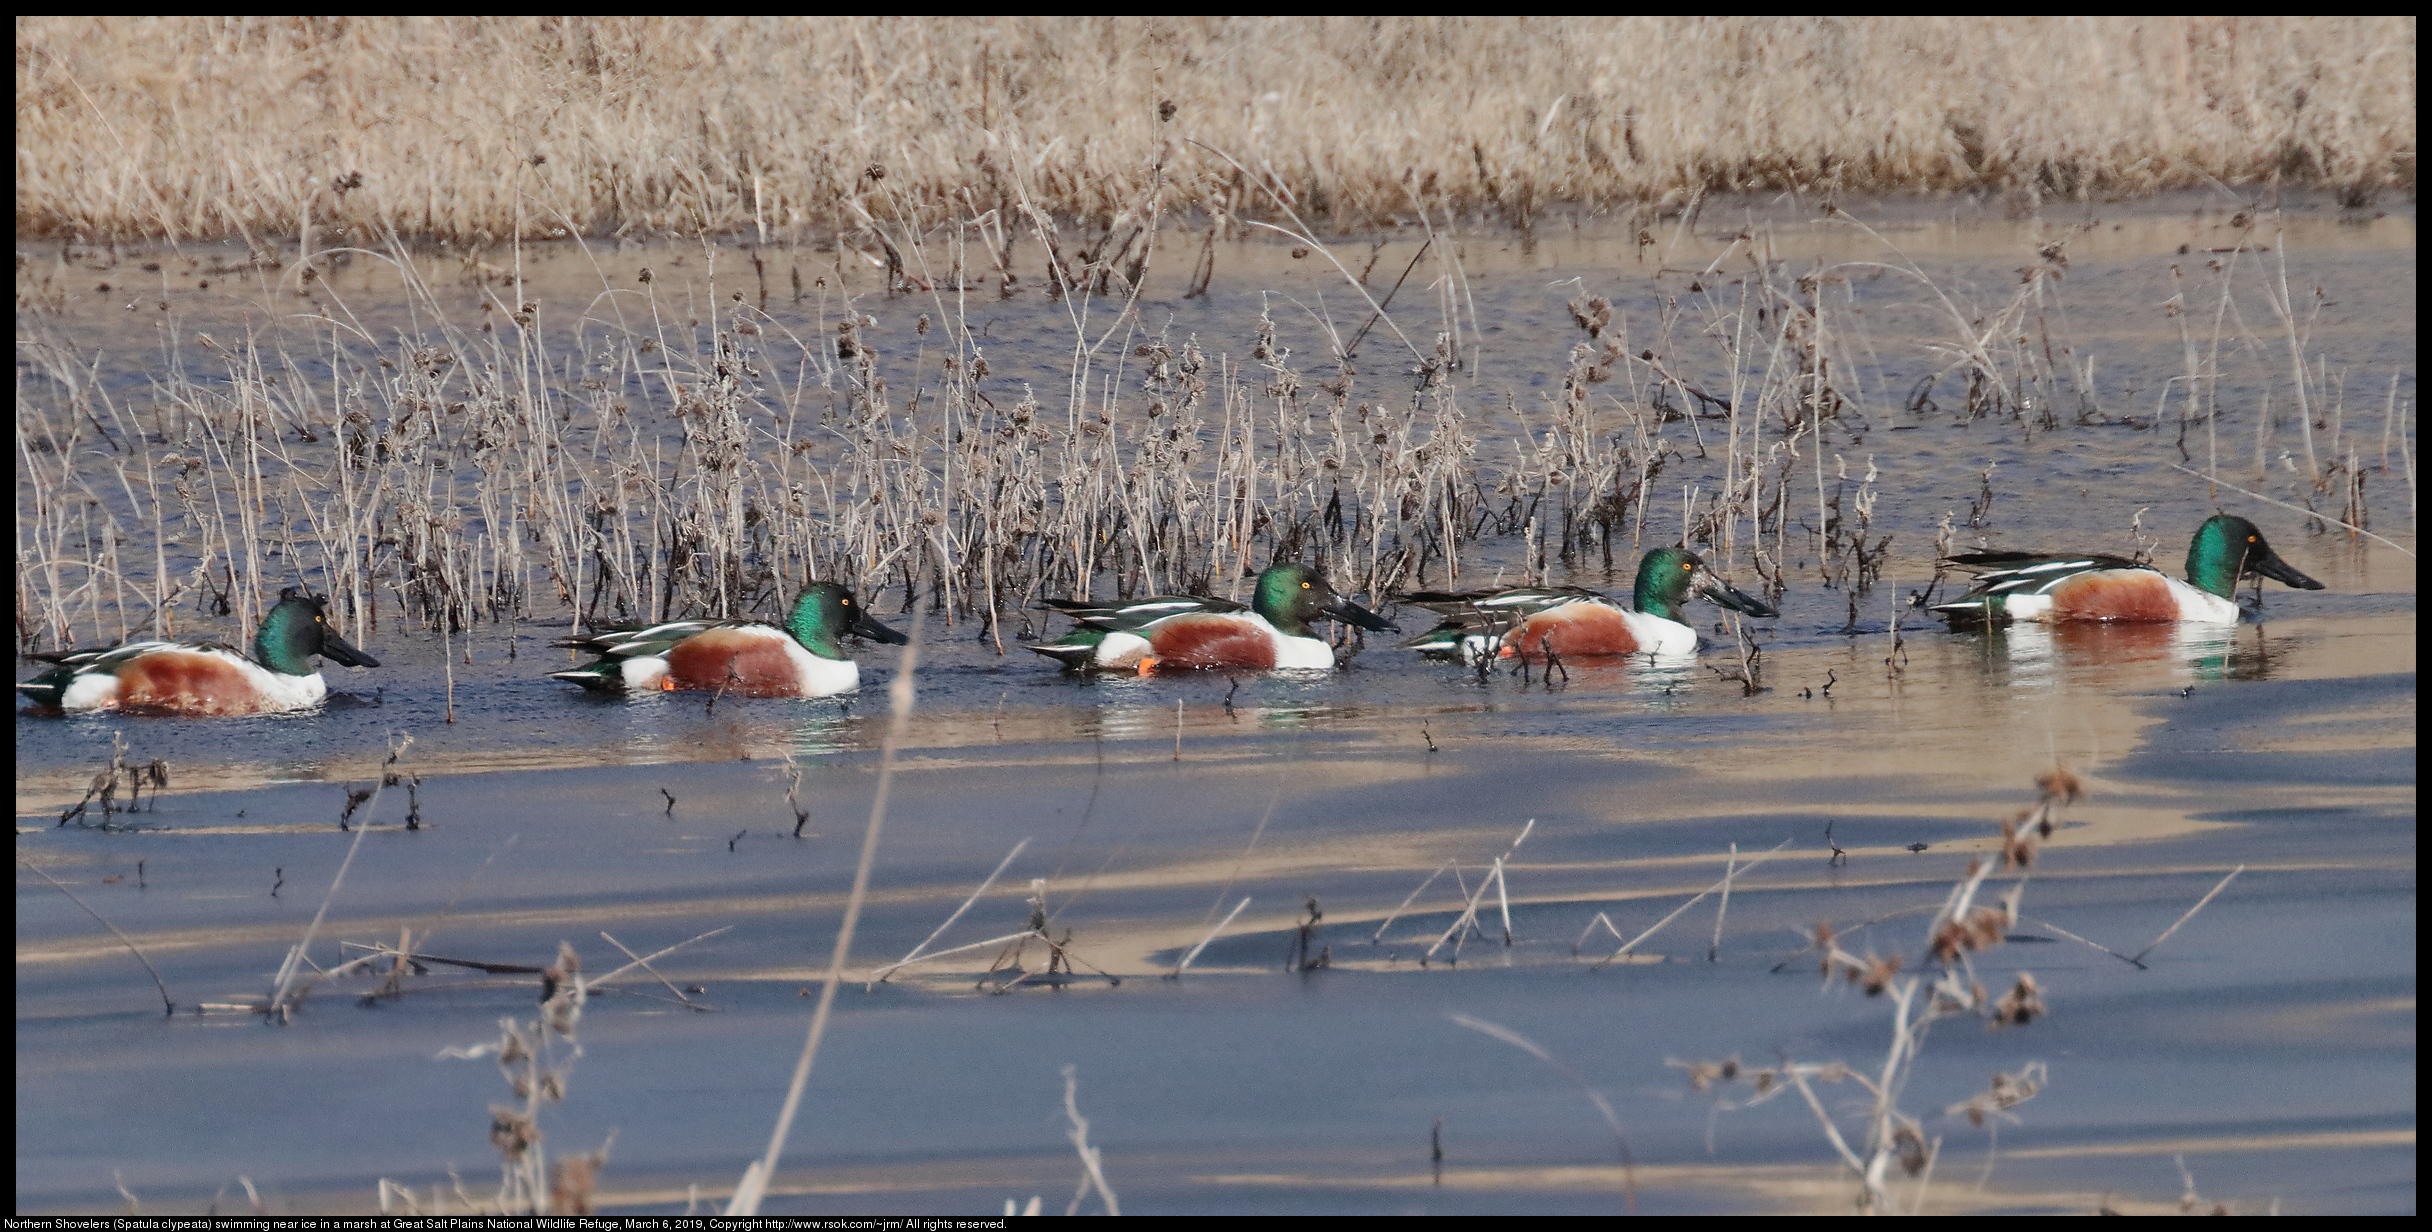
(47, 689)
(1970, 614)
(602, 675)
(1073, 657)
(1444, 639)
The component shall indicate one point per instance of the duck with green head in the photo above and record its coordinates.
(205, 678)
(1527, 621)
(1187, 632)
(753, 658)
(2047, 589)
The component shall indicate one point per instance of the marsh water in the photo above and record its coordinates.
(2262, 1055)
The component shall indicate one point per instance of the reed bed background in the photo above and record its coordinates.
(481, 129)
(645, 459)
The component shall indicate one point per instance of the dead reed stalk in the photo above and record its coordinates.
(644, 459)
(1958, 930)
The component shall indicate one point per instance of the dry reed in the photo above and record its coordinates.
(652, 456)
(481, 129)
(1960, 928)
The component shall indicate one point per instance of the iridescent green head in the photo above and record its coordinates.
(1668, 576)
(1290, 596)
(827, 612)
(2228, 548)
(297, 629)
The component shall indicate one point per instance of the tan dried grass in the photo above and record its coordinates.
(476, 129)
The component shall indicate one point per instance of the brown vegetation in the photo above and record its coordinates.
(637, 462)
(483, 128)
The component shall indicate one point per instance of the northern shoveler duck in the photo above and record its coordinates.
(2054, 589)
(1187, 631)
(1525, 620)
(748, 657)
(205, 678)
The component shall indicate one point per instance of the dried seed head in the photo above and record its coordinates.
(513, 1133)
(2005, 1092)
(1985, 926)
(562, 993)
(1950, 941)
(1877, 974)
(2018, 852)
(1913, 1153)
(2060, 783)
(2023, 1005)
(571, 1181)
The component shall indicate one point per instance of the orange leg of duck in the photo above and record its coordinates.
(1209, 640)
(744, 663)
(176, 682)
(1574, 629)
(2114, 594)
